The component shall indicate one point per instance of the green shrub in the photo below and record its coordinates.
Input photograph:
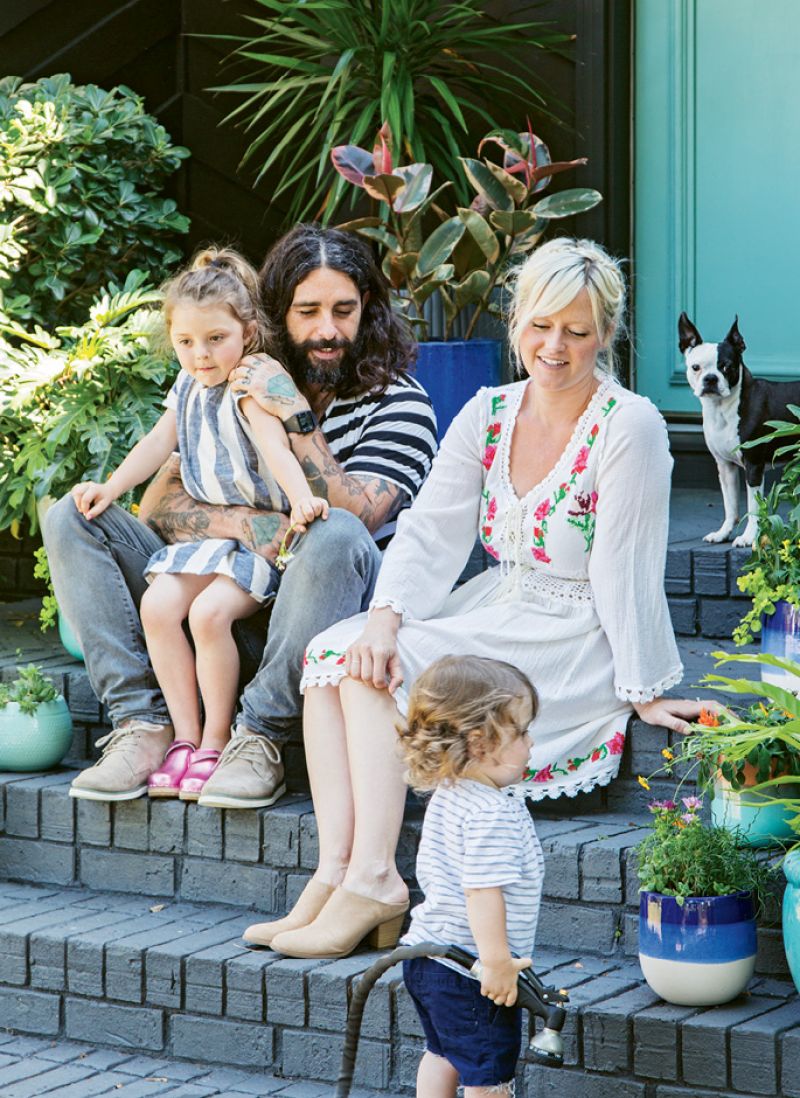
(72, 405)
(81, 171)
(29, 690)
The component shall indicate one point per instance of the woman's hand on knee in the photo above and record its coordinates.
(373, 657)
(672, 713)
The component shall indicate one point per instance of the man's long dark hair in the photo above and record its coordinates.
(384, 348)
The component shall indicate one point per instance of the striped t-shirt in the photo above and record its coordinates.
(476, 836)
(389, 434)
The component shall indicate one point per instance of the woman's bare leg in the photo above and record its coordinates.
(211, 617)
(378, 791)
(164, 608)
(329, 776)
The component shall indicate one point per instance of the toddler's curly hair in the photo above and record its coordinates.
(458, 709)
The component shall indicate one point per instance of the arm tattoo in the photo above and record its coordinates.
(263, 529)
(172, 526)
(281, 389)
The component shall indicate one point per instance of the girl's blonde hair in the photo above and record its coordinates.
(459, 708)
(220, 276)
(553, 276)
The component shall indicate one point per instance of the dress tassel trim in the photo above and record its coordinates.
(649, 693)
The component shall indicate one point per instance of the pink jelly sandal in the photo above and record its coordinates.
(165, 782)
(201, 766)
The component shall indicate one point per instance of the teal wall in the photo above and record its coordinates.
(716, 184)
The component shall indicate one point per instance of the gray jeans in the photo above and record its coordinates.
(97, 570)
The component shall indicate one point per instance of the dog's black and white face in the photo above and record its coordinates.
(712, 369)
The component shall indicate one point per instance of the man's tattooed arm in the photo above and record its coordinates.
(175, 516)
(374, 499)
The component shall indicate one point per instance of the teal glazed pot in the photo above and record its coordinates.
(758, 819)
(701, 952)
(451, 372)
(68, 638)
(780, 636)
(791, 914)
(34, 741)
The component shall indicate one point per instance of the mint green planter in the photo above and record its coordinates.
(761, 822)
(68, 638)
(34, 741)
(791, 914)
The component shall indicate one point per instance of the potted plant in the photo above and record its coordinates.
(464, 257)
(35, 723)
(699, 895)
(748, 757)
(771, 577)
(312, 76)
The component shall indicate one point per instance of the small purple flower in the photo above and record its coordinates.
(689, 817)
(662, 806)
(694, 804)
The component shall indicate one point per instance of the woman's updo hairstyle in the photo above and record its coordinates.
(220, 276)
(553, 276)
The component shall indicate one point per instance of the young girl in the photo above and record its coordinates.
(479, 865)
(232, 452)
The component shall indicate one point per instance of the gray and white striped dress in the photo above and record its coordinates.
(220, 464)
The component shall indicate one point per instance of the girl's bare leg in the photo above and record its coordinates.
(436, 1077)
(211, 617)
(164, 608)
(378, 791)
(329, 776)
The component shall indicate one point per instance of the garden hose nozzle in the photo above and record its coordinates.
(545, 1002)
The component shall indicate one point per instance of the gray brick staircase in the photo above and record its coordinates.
(112, 930)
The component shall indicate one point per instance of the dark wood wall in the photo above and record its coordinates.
(159, 48)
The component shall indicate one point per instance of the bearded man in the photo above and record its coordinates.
(365, 436)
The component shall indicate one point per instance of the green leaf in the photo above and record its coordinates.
(417, 178)
(513, 186)
(383, 187)
(517, 221)
(471, 289)
(481, 233)
(567, 203)
(439, 246)
(486, 185)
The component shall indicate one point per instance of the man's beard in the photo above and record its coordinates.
(329, 376)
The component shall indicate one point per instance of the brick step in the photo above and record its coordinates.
(261, 859)
(700, 582)
(172, 979)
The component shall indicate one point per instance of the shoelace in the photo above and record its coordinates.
(244, 745)
(115, 739)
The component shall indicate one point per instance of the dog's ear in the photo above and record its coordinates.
(734, 336)
(688, 335)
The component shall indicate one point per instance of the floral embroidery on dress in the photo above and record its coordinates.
(548, 506)
(583, 516)
(608, 406)
(490, 513)
(323, 654)
(490, 447)
(614, 746)
(498, 402)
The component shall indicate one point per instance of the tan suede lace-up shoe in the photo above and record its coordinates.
(249, 774)
(130, 754)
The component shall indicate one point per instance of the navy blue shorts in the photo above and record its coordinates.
(479, 1039)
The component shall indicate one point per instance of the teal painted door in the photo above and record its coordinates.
(717, 184)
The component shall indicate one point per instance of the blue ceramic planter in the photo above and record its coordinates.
(35, 741)
(701, 953)
(452, 372)
(780, 636)
(759, 821)
(68, 638)
(791, 914)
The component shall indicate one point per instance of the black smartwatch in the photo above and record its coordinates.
(303, 423)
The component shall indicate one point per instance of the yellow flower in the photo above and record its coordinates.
(134, 508)
(665, 751)
(643, 782)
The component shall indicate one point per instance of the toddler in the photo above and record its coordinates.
(479, 865)
(232, 452)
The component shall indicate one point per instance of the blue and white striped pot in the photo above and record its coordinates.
(701, 953)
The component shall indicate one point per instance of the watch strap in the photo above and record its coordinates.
(302, 423)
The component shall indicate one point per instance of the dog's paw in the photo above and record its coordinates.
(722, 534)
(744, 541)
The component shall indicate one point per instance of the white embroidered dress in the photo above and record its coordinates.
(578, 600)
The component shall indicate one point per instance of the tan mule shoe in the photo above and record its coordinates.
(344, 921)
(309, 904)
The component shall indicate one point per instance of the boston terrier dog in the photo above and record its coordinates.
(736, 406)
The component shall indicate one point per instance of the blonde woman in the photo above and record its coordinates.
(564, 476)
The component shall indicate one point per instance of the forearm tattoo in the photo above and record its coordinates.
(375, 500)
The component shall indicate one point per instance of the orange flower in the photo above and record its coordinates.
(709, 718)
